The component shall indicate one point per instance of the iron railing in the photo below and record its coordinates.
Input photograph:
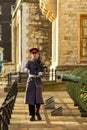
(7, 107)
(22, 76)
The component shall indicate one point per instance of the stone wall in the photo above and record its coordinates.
(38, 32)
(69, 12)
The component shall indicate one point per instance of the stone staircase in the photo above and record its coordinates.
(69, 120)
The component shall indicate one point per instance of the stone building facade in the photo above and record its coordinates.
(72, 25)
(30, 29)
(60, 32)
(70, 29)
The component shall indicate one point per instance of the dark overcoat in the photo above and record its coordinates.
(33, 93)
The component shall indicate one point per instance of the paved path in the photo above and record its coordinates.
(70, 119)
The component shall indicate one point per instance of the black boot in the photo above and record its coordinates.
(32, 118)
(32, 112)
(38, 116)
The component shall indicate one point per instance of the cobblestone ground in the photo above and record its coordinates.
(69, 120)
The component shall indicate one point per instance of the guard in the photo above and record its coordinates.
(33, 94)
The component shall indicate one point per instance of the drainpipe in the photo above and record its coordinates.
(21, 36)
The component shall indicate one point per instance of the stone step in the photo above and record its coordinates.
(21, 103)
(66, 113)
(55, 125)
(46, 86)
(50, 93)
(25, 116)
(69, 120)
(14, 127)
(27, 122)
(21, 100)
(24, 108)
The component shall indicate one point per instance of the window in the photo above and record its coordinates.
(0, 9)
(0, 32)
(83, 37)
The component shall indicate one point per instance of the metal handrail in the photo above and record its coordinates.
(7, 107)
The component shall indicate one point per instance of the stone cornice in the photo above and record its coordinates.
(31, 1)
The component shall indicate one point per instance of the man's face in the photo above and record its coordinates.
(34, 56)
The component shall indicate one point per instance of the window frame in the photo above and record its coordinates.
(82, 58)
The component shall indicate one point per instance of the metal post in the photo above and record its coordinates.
(0, 122)
(55, 75)
(52, 74)
(9, 78)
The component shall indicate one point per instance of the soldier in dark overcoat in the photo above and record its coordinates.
(33, 94)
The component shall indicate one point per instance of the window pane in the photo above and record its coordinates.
(0, 29)
(85, 22)
(84, 42)
(85, 31)
(84, 47)
(84, 52)
(0, 32)
(0, 9)
(84, 36)
(0, 37)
